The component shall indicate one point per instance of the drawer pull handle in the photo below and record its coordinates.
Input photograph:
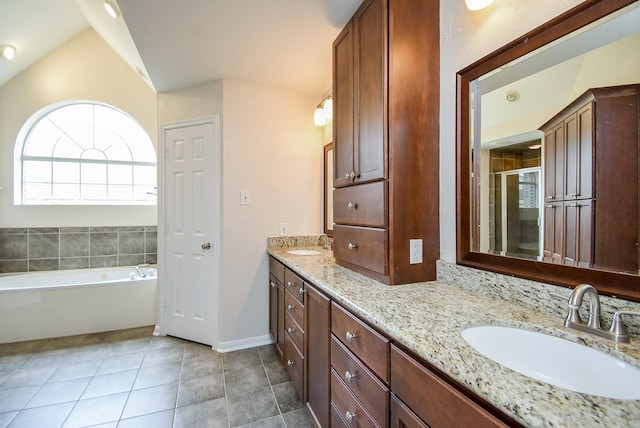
(350, 336)
(352, 246)
(290, 307)
(301, 290)
(273, 284)
(290, 362)
(289, 284)
(350, 416)
(290, 330)
(346, 176)
(352, 206)
(349, 376)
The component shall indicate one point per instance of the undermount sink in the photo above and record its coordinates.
(556, 361)
(304, 252)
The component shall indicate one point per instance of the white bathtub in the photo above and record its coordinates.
(48, 304)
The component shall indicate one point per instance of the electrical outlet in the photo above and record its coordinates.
(415, 251)
(284, 229)
(245, 197)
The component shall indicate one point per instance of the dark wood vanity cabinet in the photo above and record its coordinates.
(591, 181)
(299, 324)
(351, 375)
(386, 103)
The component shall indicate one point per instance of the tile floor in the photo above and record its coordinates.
(129, 378)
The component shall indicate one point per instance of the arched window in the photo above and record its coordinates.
(84, 153)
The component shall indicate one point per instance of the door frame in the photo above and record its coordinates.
(503, 213)
(216, 241)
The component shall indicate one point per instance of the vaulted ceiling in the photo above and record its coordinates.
(181, 43)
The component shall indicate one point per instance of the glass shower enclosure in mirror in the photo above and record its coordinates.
(553, 148)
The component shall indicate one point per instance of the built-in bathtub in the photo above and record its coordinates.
(48, 304)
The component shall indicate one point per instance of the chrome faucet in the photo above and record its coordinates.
(327, 242)
(139, 271)
(575, 300)
(617, 332)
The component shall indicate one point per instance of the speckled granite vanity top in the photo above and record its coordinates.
(428, 318)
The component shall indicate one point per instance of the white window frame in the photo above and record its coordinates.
(22, 140)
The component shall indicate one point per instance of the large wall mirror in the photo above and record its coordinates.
(548, 132)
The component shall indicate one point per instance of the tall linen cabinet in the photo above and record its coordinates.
(386, 131)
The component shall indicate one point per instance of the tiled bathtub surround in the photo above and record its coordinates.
(53, 248)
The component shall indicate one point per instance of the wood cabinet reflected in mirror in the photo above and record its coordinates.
(548, 152)
(328, 189)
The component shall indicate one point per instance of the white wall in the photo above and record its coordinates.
(465, 37)
(271, 148)
(83, 68)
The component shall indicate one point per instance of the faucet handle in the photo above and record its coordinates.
(618, 330)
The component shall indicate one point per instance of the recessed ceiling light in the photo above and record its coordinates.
(7, 51)
(111, 8)
(512, 96)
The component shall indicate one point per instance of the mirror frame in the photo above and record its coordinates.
(610, 283)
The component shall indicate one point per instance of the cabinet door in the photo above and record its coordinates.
(578, 154)
(317, 311)
(343, 107)
(370, 81)
(280, 315)
(553, 232)
(585, 166)
(437, 402)
(273, 310)
(403, 417)
(578, 249)
(554, 163)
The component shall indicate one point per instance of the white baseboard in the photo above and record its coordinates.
(236, 345)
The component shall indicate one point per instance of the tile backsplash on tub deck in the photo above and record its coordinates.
(53, 248)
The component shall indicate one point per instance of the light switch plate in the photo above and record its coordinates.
(245, 197)
(284, 229)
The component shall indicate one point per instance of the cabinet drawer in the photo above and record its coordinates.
(336, 418)
(276, 269)
(367, 344)
(294, 331)
(294, 284)
(435, 401)
(348, 405)
(363, 246)
(293, 307)
(294, 364)
(362, 205)
(403, 417)
(373, 394)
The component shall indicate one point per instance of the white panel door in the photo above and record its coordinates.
(188, 217)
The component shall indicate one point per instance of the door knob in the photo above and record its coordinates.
(206, 245)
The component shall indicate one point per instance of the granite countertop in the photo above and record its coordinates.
(428, 317)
